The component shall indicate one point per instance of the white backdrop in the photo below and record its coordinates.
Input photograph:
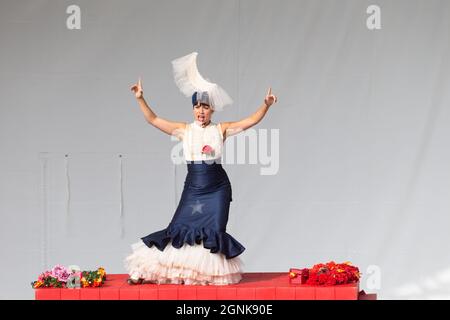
(362, 118)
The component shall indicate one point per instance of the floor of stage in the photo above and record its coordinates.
(253, 286)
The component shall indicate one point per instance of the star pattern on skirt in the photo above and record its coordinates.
(197, 207)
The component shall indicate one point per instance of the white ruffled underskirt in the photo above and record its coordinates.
(190, 265)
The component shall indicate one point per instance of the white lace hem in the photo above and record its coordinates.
(187, 265)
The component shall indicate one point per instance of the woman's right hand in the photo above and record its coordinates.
(137, 89)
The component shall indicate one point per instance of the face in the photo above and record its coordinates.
(202, 113)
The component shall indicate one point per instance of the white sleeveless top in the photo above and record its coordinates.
(195, 137)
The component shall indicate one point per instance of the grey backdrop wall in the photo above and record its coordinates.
(363, 134)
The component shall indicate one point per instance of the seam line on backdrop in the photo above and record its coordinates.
(44, 234)
(122, 224)
(67, 193)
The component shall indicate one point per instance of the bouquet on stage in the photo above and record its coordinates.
(71, 277)
(329, 274)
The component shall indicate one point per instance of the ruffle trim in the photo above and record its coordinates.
(190, 265)
(216, 242)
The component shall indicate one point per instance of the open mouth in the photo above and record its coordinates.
(201, 118)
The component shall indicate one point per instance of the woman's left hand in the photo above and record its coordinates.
(270, 98)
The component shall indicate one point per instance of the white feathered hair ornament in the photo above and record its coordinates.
(189, 80)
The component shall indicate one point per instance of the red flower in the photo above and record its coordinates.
(330, 274)
(207, 149)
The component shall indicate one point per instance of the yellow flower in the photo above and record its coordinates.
(38, 284)
(101, 271)
(84, 282)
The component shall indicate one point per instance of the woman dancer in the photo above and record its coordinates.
(195, 247)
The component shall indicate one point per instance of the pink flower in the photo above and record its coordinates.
(45, 275)
(207, 149)
(61, 273)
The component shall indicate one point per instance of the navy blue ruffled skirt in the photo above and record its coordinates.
(202, 213)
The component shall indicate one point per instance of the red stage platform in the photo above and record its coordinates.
(254, 286)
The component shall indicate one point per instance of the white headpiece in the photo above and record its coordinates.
(189, 80)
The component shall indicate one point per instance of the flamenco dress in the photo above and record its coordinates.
(195, 247)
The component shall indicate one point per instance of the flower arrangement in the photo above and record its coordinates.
(207, 149)
(329, 274)
(62, 277)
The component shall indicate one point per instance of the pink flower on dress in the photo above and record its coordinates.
(207, 149)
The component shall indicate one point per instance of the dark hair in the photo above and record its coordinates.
(193, 106)
(202, 96)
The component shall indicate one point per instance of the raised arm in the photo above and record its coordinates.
(166, 126)
(231, 128)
